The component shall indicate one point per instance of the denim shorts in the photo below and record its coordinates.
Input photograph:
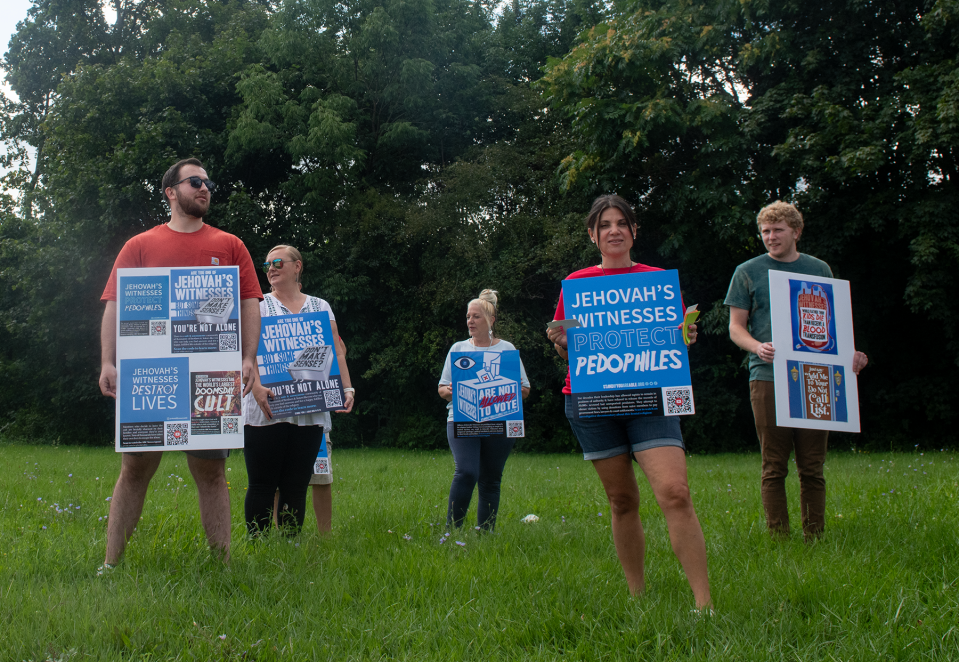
(610, 436)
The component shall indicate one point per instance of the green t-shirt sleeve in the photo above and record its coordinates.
(738, 294)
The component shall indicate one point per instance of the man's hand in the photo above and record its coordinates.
(859, 361)
(263, 395)
(765, 351)
(557, 336)
(108, 380)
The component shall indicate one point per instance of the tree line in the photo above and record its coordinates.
(418, 151)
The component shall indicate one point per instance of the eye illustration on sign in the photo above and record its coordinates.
(464, 363)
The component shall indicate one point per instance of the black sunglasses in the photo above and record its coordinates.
(197, 182)
(276, 264)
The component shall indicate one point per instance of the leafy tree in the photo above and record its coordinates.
(705, 113)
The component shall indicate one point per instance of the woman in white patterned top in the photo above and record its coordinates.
(280, 452)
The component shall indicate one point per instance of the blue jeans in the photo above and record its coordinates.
(608, 436)
(478, 460)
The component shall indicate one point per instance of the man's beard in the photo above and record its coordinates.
(191, 207)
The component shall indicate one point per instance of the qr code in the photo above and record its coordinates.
(157, 327)
(230, 425)
(333, 398)
(678, 400)
(177, 434)
(322, 465)
(515, 429)
(228, 342)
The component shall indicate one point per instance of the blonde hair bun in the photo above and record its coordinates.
(487, 304)
(489, 296)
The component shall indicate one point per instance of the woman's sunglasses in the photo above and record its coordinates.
(276, 264)
(197, 182)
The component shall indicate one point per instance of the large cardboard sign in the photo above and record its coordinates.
(179, 363)
(813, 336)
(628, 358)
(487, 394)
(296, 359)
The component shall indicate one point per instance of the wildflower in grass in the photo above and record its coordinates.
(222, 636)
(108, 498)
(529, 519)
(407, 536)
(461, 544)
(44, 528)
(69, 475)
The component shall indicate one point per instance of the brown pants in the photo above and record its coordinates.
(776, 444)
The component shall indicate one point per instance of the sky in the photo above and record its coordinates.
(11, 13)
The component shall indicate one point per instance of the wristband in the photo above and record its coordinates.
(350, 389)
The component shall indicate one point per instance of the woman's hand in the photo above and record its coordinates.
(446, 392)
(692, 333)
(348, 405)
(263, 395)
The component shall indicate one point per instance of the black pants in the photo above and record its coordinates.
(279, 456)
(478, 460)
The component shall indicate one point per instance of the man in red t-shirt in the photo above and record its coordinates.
(185, 241)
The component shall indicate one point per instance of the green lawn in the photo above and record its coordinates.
(881, 585)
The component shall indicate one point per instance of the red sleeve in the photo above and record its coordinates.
(128, 258)
(560, 310)
(249, 285)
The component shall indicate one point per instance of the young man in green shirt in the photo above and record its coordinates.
(750, 327)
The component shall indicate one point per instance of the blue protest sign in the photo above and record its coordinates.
(813, 321)
(628, 357)
(487, 394)
(296, 359)
(153, 392)
(204, 309)
(322, 463)
(143, 305)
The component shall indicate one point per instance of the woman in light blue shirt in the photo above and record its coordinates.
(478, 459)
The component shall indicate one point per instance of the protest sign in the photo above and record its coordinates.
(296, 359)
(179, 364)
(487, 394)
(322, 463)
(628, 358)
(812, 368)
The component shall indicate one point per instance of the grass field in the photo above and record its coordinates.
(881, 585)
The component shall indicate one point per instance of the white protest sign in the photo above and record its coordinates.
(813, 336)
(179, 364)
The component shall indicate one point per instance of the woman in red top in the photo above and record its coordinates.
(654, 441)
